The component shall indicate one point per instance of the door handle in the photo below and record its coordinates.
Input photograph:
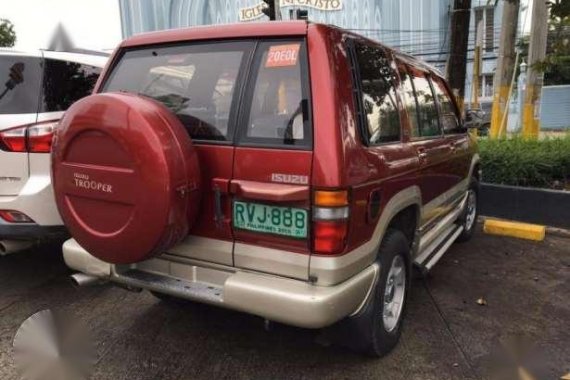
(220, 186)
(422, 155)
(218, 212)
(269, 191)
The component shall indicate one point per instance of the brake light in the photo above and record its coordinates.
(12, 216)
(32, 138)
(330, 221)
(40, 136)
(330, 236)
(14, 140)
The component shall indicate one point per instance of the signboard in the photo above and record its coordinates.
(251, 13)
(255, 12)
(322, 5)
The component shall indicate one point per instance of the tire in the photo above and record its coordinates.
(369, 332)
(468, 218)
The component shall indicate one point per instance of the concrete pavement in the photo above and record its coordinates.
(447, 335)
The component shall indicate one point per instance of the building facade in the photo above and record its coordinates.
(419, 27)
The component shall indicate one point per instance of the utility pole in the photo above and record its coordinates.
(272, 10)
(534, 78)
(476, 65)
(505, 66)
(457, 61)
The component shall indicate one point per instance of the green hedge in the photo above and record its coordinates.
(530, 163)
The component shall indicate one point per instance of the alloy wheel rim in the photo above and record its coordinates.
(471, 210)
(394, 292)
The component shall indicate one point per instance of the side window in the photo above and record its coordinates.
(66, 82)
(276, 115)
(196, 82)
(447, 115)
(428, 117)
(377, 81)
(409, 99)
(20, 79)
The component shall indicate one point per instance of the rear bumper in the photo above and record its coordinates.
(36, 200)
(30, 231)
(280, 299)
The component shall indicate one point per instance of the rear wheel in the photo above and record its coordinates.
(377, 328)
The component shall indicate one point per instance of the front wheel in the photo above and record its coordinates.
(468, 218)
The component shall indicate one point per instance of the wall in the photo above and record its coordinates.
(416, 26)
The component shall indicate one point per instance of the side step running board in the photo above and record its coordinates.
(431, 255)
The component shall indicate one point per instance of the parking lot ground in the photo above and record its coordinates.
(447, 334)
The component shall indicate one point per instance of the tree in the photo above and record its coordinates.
(7, 33)
(556, 65)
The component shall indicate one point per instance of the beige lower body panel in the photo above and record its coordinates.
(201, 248)
(291, 301)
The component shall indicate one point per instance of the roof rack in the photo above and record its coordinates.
(80, 51)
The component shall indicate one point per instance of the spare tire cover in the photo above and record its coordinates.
(126, 177)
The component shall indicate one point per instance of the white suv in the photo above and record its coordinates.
(35, 90)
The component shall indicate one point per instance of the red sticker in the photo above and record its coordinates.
(282, 55)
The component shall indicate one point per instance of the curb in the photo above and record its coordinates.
(553, 231)
(520, 230)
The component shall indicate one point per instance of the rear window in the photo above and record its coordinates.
(20, 79)
(196, 82)
(202, 83)
(66, 82)
(278, 113)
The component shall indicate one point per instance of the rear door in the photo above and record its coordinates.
(456, 138)
(20, 81)
(272, 165)
(200, 83)
(432, 149)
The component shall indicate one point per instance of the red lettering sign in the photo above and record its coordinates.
(282, 55)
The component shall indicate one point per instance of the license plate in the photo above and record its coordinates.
(287, 221)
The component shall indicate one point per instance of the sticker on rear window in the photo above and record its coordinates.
(282, 55)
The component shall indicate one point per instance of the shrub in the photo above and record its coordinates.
(531, 163)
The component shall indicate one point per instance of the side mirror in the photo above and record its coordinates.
(473, 118)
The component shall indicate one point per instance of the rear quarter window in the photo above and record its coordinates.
(20, 80)
(378, 97)
(66, 82)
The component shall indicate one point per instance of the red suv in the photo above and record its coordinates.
(290, 170)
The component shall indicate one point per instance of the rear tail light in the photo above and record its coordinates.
(330, 221)
(12, 216)
(32, 138)
(14, 140)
